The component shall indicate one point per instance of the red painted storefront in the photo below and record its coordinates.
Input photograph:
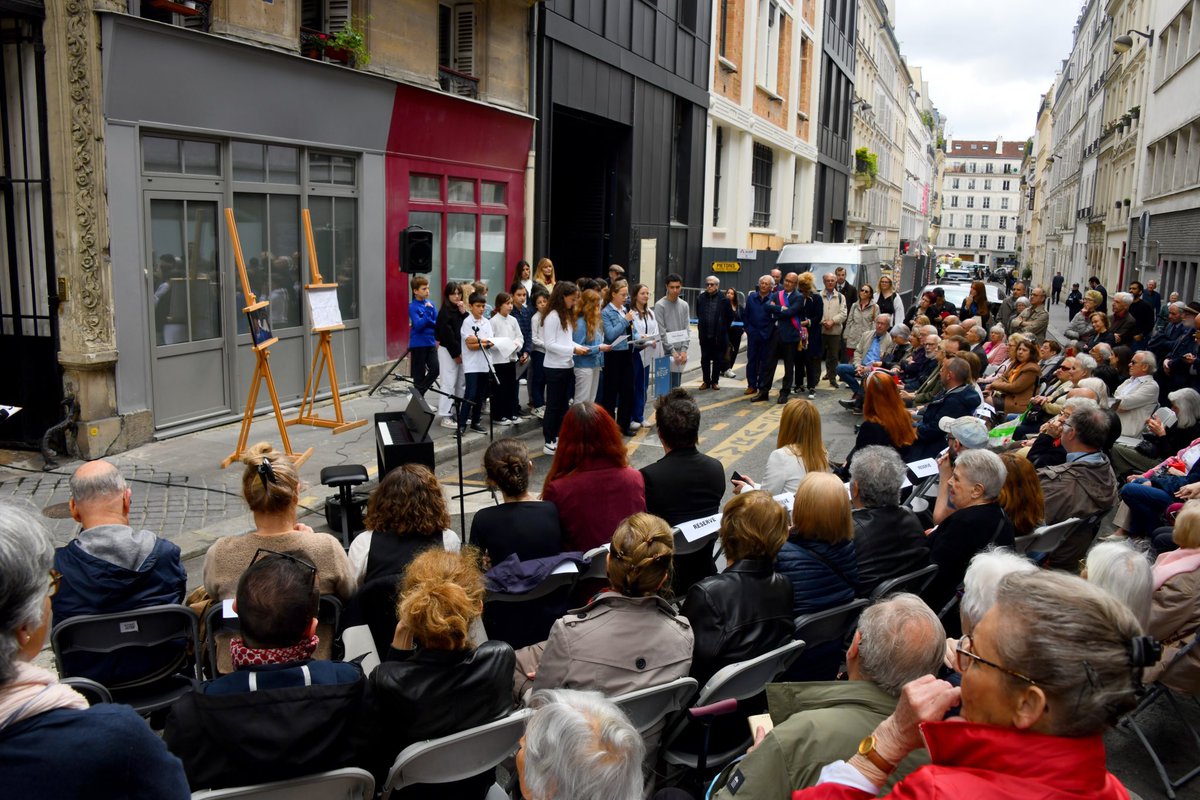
(445, 145)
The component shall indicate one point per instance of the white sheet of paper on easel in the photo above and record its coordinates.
(323, 307)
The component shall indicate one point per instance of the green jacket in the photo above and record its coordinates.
(929, 389)
(815, 724)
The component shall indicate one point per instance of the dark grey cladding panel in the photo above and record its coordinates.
(159, 74)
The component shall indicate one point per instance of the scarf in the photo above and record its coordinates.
(1175, 562)
(35, 691)
(244, 656)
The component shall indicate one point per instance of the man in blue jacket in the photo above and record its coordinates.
(956, 399)
(759, 326)
(110, 567)
(785, 306)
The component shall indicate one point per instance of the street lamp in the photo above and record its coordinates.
(1123, 44)
(858, 101)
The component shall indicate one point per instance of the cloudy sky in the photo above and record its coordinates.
(987, 62)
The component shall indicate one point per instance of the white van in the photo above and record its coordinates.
(860, 260)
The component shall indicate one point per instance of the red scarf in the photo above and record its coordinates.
(244, 656)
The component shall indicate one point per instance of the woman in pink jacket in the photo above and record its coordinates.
(1046, 670)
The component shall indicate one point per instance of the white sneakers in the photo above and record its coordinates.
(448, 422)
(633, 426)
(539, 412)
(507, 421)
(550, 447)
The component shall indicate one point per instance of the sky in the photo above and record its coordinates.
(987, 62)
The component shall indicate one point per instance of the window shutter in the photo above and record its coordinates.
(337, 15)
(464, 38)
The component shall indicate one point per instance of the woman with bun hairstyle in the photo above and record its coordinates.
(435, 681)
(523, 525)
(271, 486)
(628, 637)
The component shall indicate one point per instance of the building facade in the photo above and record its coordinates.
(981, 188)
(1032, 247)
(880, 129)
(433, 130)
(922, 126)
(761, 127)
(834, 118)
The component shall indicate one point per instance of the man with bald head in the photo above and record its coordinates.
(111, 567)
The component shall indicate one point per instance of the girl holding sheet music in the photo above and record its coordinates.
(646, 348)
(505, 404)
(618, 363)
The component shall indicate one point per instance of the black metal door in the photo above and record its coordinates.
(28, 297)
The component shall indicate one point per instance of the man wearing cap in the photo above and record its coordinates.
(962, 433)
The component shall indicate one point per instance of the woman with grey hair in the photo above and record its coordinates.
(889, 540)
(1054, 663)
(977, 523)
(980, 583)
(51, 743)
(579, 746)
(1120, 569)
(1159, 440)
(996, 348)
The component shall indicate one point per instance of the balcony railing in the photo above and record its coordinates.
(458, 83)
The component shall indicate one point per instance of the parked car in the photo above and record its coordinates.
(957, 292)
(958, 274)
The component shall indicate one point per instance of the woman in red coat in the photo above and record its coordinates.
(590, 480)
(1046, 670)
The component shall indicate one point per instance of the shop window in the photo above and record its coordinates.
(180, 156)
(460, 247)
(331, 169)
(432, 221)
(335, 230)
(259, 163)
(424, 187)
(492, 269)
(460, 191)
(269, 230)
(187, 275)
(491, 194)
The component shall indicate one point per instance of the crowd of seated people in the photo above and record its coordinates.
(443, 670)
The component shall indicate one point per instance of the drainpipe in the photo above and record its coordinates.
(531, 159)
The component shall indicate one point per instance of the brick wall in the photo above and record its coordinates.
(726, 83)
(765, 106)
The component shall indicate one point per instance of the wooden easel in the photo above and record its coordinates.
(262, 365)
(323, 356)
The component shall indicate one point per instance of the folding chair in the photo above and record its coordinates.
(1154, 692)
(143, 628)
(1046, 538)
(350, 783)
(457, 756)
(551, 583)
(735, 682)
(914, 582)
(93, 691)
(648, 707)
(830, 625)
(329, 612)
(526, 618)
(597, 568)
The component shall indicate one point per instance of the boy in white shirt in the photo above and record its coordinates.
(476, 336)
(506, 405)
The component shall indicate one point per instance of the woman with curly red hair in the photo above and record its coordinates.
(590, 480)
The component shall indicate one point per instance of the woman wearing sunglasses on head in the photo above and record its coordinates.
(1046, 670)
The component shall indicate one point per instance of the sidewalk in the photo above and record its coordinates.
(181, 493)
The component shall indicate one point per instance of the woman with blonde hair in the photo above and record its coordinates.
(818, 556)
(435, 680)
(1021, 495)
(544, 274)
(889, 300)
(746, 610)
(628, 637)
(271, 487)
(799, 450)
(589, 333)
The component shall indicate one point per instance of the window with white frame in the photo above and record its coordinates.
(971, 183)
(970, 202)
(1004, 203)
(761, 175)
(770, 21)
(987, 186)
(1174, 163)
(982, 241)
(985, 221)
(1003, 223)
(966, 240)
(954, 201)
(954, 183)
(987, 202)
(1178, 42)
(1001, 242)
(1005, 185)
(970, 221)
(950, 237)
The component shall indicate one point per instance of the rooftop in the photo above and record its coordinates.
(982, 148)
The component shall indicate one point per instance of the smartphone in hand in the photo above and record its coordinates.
(737, 476)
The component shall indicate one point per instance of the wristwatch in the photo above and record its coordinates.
(866, 749)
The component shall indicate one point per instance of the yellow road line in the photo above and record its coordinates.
(749, 436)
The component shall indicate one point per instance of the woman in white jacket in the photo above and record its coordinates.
(559, 366)
(644, 326)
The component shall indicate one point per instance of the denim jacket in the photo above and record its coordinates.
(616, 326)
(594, 358)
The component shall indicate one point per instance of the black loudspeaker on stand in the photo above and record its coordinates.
(416, 250)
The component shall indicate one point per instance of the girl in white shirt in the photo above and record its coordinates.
(506, 405)
(537, 355)
(644, 325)
(559, 365)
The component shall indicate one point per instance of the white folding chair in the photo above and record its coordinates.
(597, 568)
(457, 756)
(648, 707)
(1046, 538)
(350, 783)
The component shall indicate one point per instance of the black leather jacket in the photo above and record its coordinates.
(741, 613)
(889, 542)
(423, 694)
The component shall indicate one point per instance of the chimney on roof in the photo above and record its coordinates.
(999, 145)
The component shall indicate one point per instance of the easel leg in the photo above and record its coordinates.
(310, 389)
(248, 415)
(298, 459)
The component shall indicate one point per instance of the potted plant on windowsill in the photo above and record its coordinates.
(1127, 202)
(312, 43)
(866, 167)
(1135, 112)
(348, 46)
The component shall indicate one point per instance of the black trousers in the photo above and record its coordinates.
(617, 388)
(778, 350)
(560, 383)
(712, 360)
(423, 367)
(504, 401)
(812, 367)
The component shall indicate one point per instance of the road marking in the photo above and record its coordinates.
(749, 436)
(720, 426)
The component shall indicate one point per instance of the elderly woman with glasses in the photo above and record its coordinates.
(1046, 670)
(51, 743)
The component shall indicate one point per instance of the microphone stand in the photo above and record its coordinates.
(390, 370)
(458, 401)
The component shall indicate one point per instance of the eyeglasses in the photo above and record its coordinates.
(964, 664)
(263, 553)
(55, 580)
